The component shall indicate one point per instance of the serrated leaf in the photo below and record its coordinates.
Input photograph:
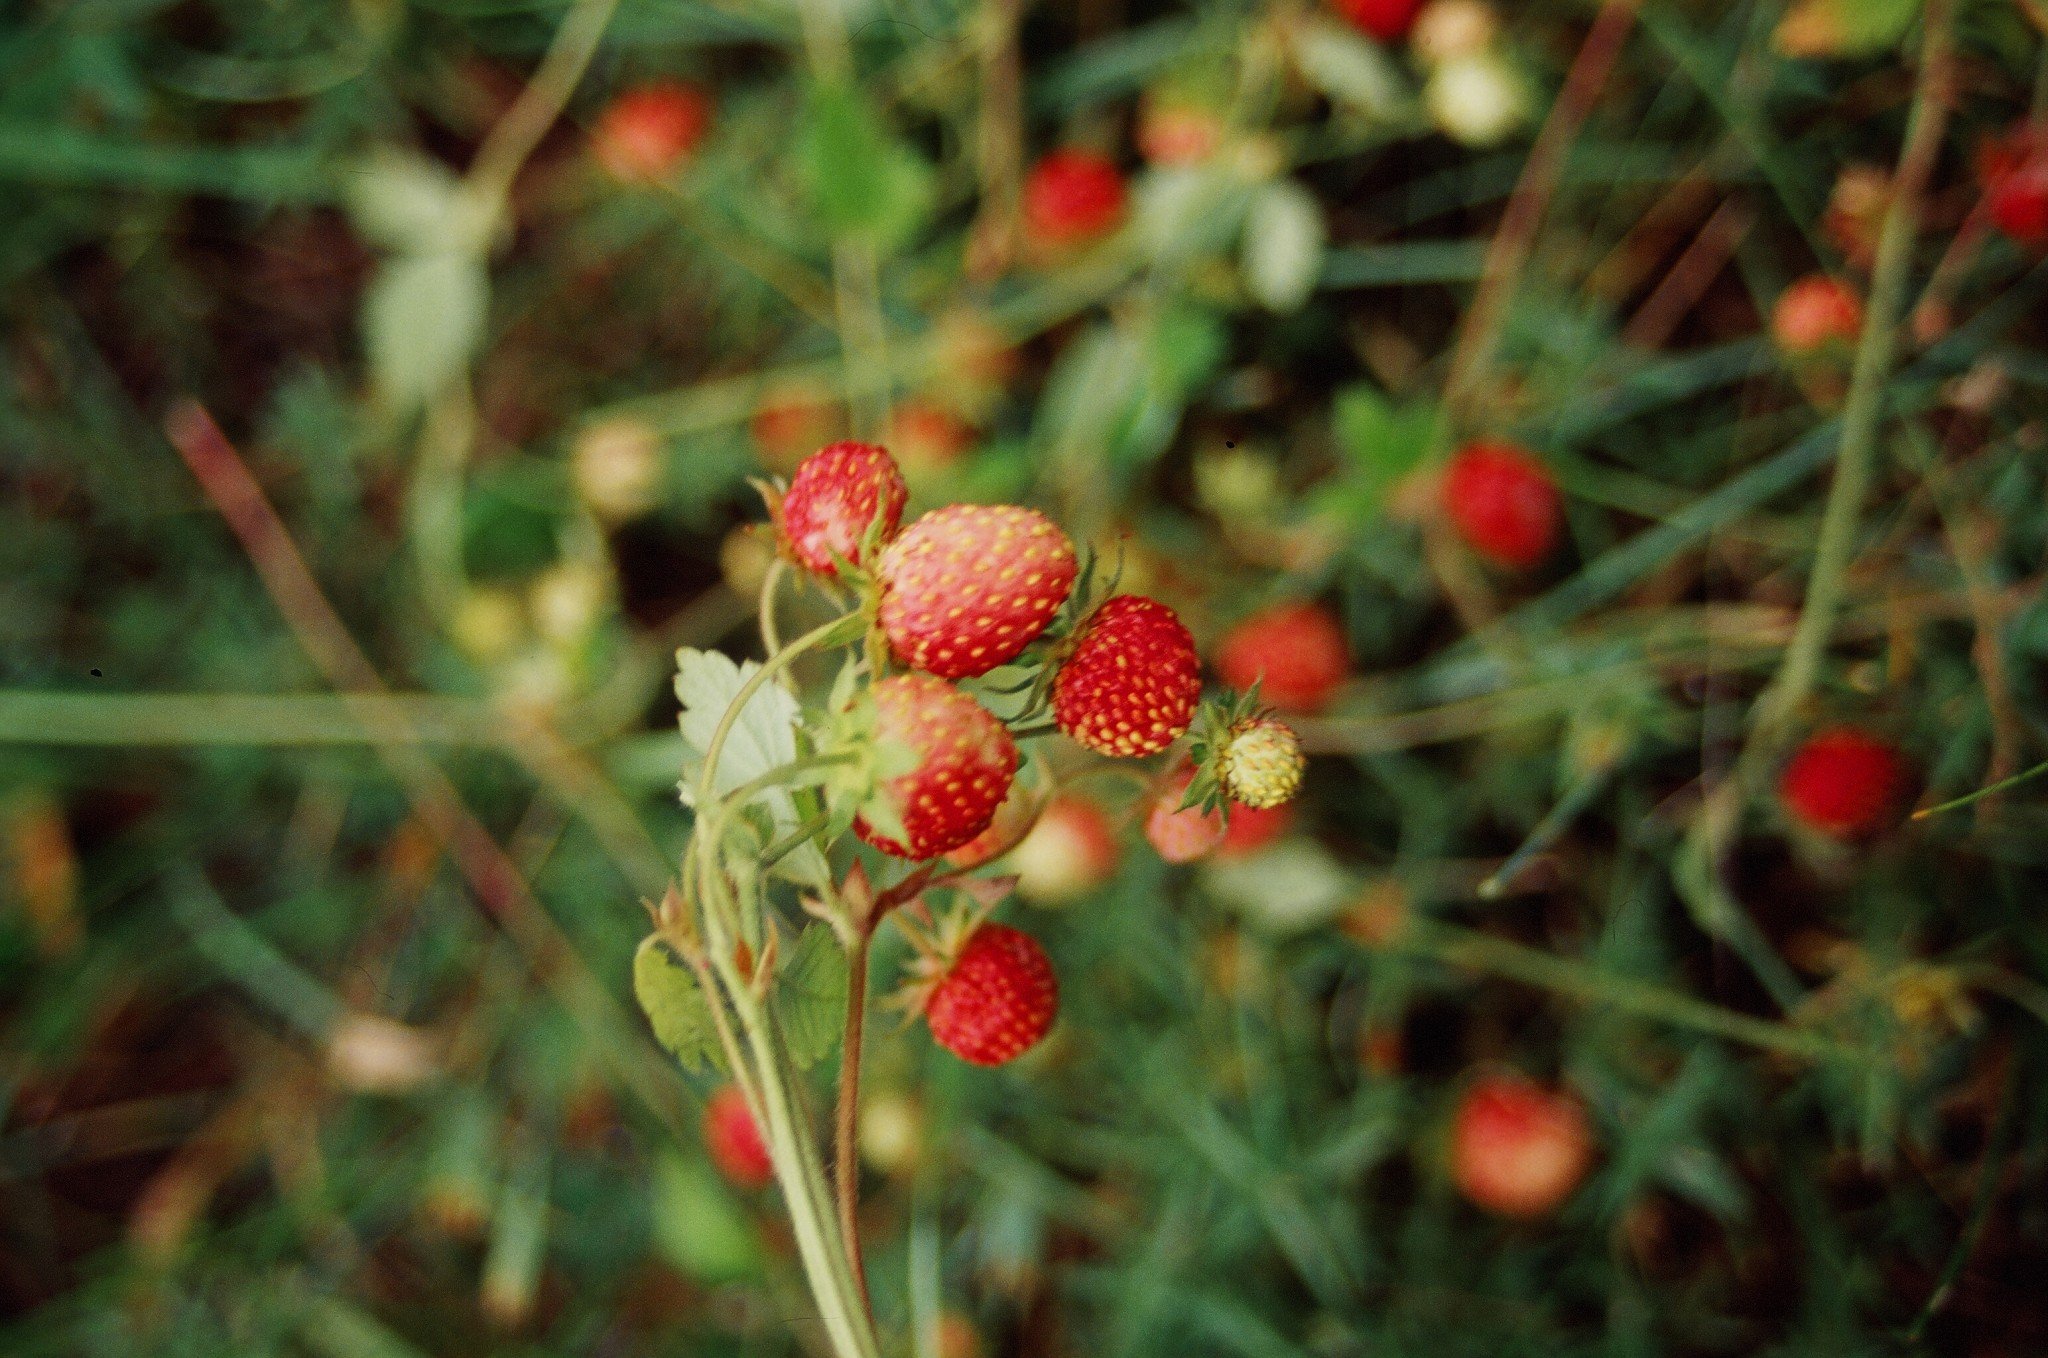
(762, 739)
(1282, 254)
(676, 1007)
(810, 995)
(423, 316)
(697, 1225)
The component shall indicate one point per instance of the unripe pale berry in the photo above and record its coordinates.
(1261, 763)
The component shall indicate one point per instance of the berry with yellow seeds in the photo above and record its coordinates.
(964, 764)
(996, 1000)
(967, 587)
(1261, 763)
(835, 497)
(1131, 684)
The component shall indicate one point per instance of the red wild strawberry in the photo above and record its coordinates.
(1182, 836)
(1814, 313)
(647, 132)
(1518, 1150)
(734, 1141)
(928, 437)
(1070, 851)
(791, 422)
(965, 762)
(1131, 683)
(1252, 828)
(967, 587)
(834, 498)
(1502, 503)
(1072, 196)
(1294, 652)
(1843, 782)
(996, 1000)
(1386, 20)
(2014, 170)
(1175, 133)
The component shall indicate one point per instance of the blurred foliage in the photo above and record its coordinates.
(280, 1073)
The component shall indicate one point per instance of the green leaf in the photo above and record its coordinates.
(1282, 253)
(762, 739)
(423, 317)
(861, 180)
(697, 1225)
(676, 1007)
(1292, 887)
(810, 995)
(1845, 28)
(1384, 441)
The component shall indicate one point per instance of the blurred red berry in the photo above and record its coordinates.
(1516, 1149)
(1295, 652)
(1072, 196)
(1252, 829)
(1815, 312)
(645, 133)
(997, 999)
(1843, 782)
(2014, 171)
(1386, 20)
(1502, 503)
(1177, 134)
(790, 423)
(1070, 852)
(1182, 836)
(734, 1141)
(926, 437)
(836, 495)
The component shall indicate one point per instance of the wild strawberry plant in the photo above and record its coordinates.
(954, 644)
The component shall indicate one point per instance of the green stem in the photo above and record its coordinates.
(846, 1119)
(1875, 350)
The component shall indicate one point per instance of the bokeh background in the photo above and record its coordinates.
(380, 386)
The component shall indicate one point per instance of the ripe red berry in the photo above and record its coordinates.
(928, 437)
(1131, 683)
(997, 999)
(1386, 20)
(647, 132)
(967, 587)
(1182, 836)
(1072, 196)
(791, 423)
(2014, 171)
(1502, 503)
(834, 498)
(1070, 851)
(1815, 312)
(1294, 652)
(1516, 1149)
(1843, 782)
(1252, 829)
(966, 761)
(734, 1141)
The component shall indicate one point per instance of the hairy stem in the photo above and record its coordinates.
(846, 1120)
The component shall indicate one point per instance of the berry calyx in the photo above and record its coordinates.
(1130, 685)
(1386, 20)
(1294, 652)
(734, 1142)
(967, 587)
(961, 760)
(1815, 313)
(1843, 782)
(1070, 852)
(996, 999)
(645, 133)
(1182, 834)
(1260, 763)
(1503, 503)
(1072, 196)
(1516, 1149)
(839, 494)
